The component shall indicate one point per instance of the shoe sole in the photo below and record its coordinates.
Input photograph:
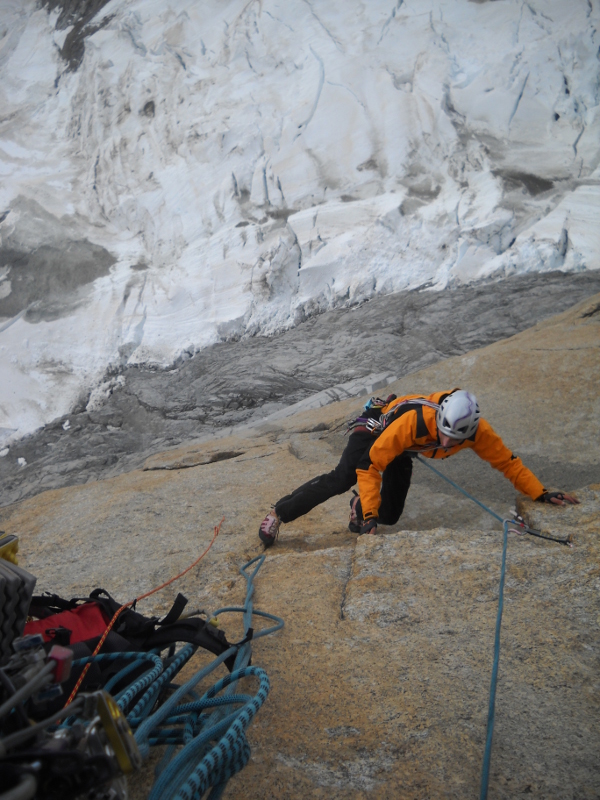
(268, 541)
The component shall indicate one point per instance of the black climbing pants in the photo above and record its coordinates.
(394, 487)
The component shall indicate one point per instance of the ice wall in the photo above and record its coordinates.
(174, 173)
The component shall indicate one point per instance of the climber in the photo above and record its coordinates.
(378, 456)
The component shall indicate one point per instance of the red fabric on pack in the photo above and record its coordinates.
(87, 621)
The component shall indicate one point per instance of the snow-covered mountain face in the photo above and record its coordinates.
(177, 173)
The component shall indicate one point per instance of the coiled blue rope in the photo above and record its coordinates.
(144, 705)
(188, 777)
(124, 697)
(205, 735)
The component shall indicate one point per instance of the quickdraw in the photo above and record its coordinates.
(517, 520)
(523, 529)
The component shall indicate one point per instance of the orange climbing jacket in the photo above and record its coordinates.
(412, 428)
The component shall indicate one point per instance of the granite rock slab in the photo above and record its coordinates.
(380, 677)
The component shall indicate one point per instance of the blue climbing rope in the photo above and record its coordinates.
(460, 489)
(518, 522)
(204, 734)
(487, 755)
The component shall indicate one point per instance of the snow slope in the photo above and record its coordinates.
(175, 173)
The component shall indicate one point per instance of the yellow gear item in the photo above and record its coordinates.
(9, 546)
(118, 732)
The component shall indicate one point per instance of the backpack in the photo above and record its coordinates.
(80, 623)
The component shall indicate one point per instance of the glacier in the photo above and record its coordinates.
(175, 174)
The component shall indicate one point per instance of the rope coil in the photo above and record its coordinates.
(205, 735)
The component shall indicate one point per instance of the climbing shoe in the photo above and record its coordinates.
(269, 529)
(356, 517)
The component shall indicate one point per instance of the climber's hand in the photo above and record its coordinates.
(558, 498)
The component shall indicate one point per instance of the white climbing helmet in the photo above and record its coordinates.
(458, 415)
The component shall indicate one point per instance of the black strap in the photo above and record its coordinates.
(421, 426)
(176, 610)
(247, 638)
(405, 408)
(194, 630)
(47, 604)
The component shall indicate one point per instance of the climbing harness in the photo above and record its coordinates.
(376, 424)
(520, 529)
(373, 408)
